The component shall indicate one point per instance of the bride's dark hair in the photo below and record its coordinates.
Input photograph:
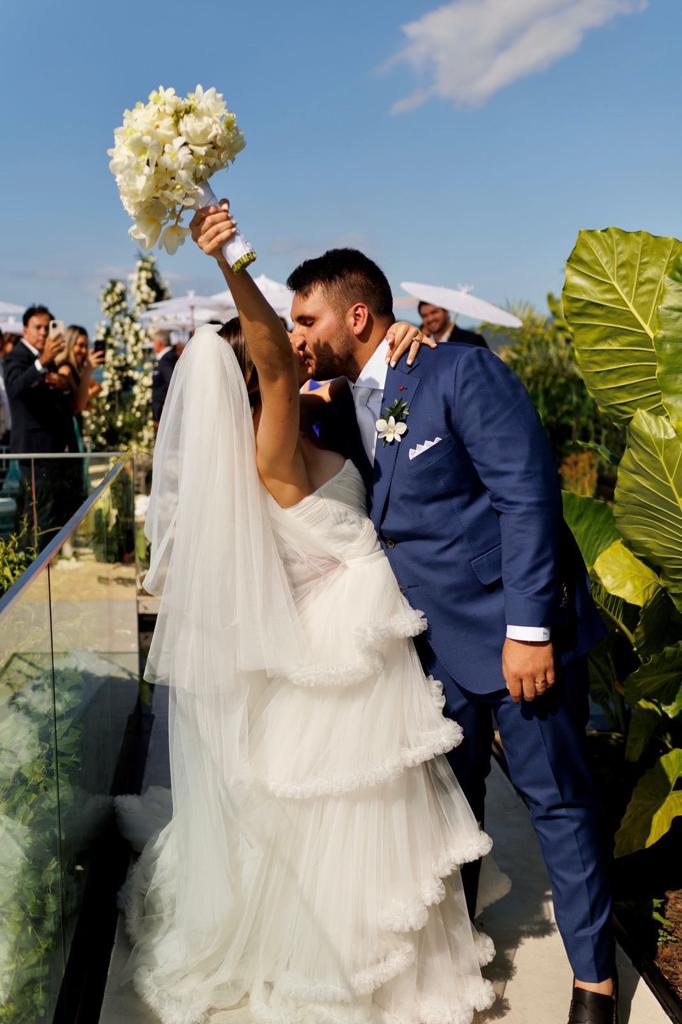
(231, 331)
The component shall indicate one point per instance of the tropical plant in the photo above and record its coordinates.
(623, 302)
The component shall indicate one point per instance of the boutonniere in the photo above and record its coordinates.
(392, 427)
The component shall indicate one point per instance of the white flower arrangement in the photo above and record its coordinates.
(113, 299)
(163, 155)
(120, 415)
(146, 285)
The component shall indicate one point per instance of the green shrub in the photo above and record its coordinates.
(543, 356)
(15, 558)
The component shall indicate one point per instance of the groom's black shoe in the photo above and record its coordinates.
(593, 1008)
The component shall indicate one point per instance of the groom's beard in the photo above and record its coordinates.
(330, 361)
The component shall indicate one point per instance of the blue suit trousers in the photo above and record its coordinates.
(544, 743)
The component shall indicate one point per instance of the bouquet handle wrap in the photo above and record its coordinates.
(238, 253)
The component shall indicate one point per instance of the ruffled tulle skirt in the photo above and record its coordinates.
(323, 885)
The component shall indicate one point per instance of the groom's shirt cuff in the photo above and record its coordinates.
(536, 634)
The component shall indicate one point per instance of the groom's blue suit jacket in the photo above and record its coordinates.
(473, 525)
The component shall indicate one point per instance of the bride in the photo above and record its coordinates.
(310, 871)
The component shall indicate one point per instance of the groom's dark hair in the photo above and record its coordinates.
(346, 276)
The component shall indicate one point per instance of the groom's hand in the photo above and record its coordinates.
(528, 668)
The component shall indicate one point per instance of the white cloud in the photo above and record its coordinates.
(470, 49)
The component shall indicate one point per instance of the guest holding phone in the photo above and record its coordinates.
(42, 421)
(78, 363)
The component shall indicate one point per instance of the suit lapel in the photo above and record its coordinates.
(401, 382)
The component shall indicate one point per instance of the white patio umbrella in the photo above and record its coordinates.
(11, 325)
(191, 310)
(174, 323)
(7, 308)
(278, 295)
(461, 301)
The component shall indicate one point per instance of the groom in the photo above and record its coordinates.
(467, 507)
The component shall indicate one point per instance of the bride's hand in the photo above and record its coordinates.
(402, 337)
(212, 227)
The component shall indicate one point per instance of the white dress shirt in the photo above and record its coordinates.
(368, 396)
(446, 336)
(38, 365)
(6, 418)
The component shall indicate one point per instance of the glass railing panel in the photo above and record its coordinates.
(39, 494)
(96, 670)
(32, 954)
(69, 670)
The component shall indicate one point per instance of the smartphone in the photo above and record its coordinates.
(56, 327)
(100, 345)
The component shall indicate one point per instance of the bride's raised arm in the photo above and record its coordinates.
(280, 461)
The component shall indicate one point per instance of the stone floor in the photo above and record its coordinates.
(530, 972)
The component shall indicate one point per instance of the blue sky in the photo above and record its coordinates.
(525, 132)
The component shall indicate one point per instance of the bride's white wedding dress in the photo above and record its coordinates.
(310, 869)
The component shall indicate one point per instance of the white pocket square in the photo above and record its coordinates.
(423, 447)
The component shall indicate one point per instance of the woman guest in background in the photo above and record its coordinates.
(79, 363)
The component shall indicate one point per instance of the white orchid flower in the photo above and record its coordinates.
(390, 431)
(172, 237)
(146, 230)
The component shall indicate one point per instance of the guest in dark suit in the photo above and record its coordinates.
(436, 322)
(7, 343)
(42, 421)
(167, 358)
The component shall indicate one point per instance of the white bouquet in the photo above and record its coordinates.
(164, 153)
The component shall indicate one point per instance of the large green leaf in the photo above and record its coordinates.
(660, 625)
(603, 682)
(624, 575)
(653, 806)
(614, 285)
(643, 723)
(592, 525)
(648, 503)
(668, 343)
(615, 610)
(659, 680)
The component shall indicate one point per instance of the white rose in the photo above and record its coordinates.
(209, 102)
(165, 98)
(198, 130)
(165, 129)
